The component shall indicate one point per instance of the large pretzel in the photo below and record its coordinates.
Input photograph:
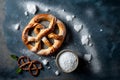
(44, 34)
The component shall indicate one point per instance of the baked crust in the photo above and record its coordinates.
(44, 34)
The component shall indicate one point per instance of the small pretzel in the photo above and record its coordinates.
(26, 64)
(44, 34)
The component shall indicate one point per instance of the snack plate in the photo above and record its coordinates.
(99, 21)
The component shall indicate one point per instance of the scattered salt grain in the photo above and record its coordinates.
(90, 44)
(26, 13)
(17, 26)
(40, 58)
(88, 57)
(78, 27)
(85, 40)
(47, 9)
(101, 30)
(69, 18)
(48, 67)
(89, 36)
(45, 62)
(63, 10)
(57, 73)
(31, 8)
(73, 16)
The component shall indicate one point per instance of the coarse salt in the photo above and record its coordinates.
(40, 58)
(88, 57)
(68, 61)
(63, 10)
(47, 9)
(89, 36)
(90, 44)
(85, 39)
(69, 18)
(26, 13)
(73, 16)
(31, 8)
(57, 73)
(48, 67)
(17, 26)
(78, 27)
(45, 62)
(101, 30)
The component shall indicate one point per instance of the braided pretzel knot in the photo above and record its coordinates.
(26, 64)
(44, 34)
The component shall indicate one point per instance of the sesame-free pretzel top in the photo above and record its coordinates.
(26, 64)
(43, 35)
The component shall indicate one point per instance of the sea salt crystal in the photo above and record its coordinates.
(31, 8)
(78, 27)
(73, 16)
(88, 57)
(17, 26)
(67, 61)
(26, 13)
(45, 62)
(69, 18)
(89, 36)
(48, 67)
(101, 30)
(47, 9)
(85, 39)
(57, 73)
(40, 58)
(90, 44)
(63, 10)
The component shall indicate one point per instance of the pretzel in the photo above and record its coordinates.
(26, 64)
(44, 34)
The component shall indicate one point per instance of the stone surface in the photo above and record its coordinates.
(105, 63)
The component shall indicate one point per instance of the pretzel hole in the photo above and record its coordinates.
(32, 43)
(38, 65)
(43, 46)
(56, 30)
(25, 60)
(45, 23)
(31, 32)
(34, 72)
(34, 67)
(26, 66)
(51, 40)
(38, 29)
(21, 62)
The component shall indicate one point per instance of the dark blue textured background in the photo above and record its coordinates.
(105, 15)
